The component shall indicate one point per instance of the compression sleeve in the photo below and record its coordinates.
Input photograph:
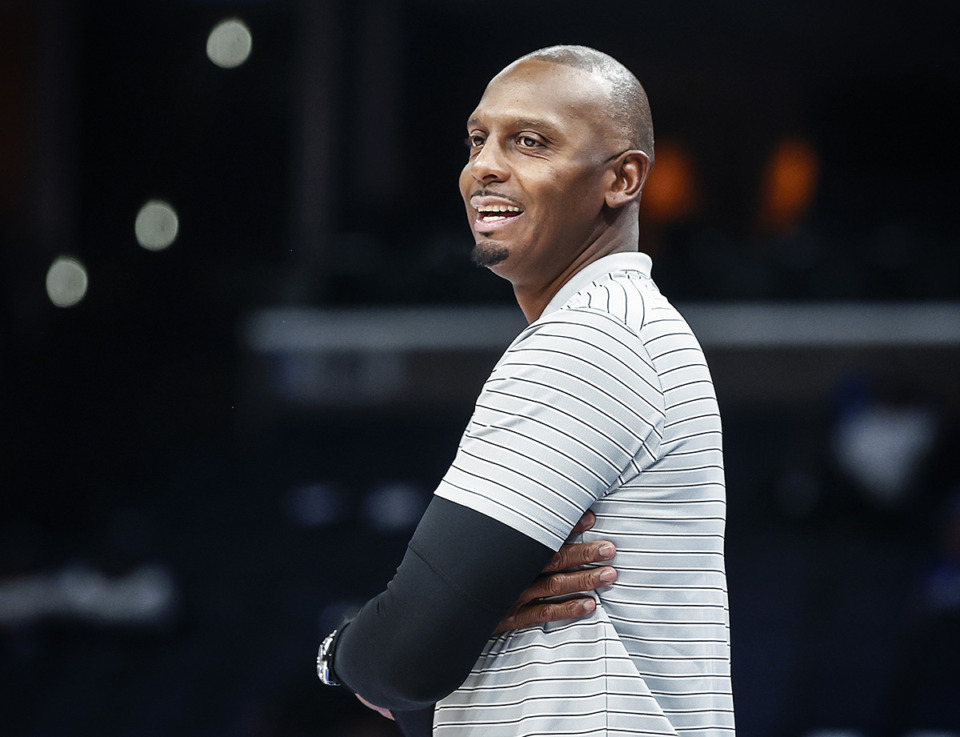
(416, 642)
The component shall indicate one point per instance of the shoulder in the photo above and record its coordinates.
(605, 317)
(578, 349)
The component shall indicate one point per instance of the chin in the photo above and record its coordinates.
(489, 254)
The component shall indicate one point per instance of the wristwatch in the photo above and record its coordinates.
(325, 661)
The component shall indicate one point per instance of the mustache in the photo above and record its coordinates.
(483, 192)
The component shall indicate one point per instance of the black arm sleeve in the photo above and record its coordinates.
(415, 643)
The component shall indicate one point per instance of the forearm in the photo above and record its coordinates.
(416, 642)
(413, 643)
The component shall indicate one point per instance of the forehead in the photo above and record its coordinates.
(556, 94)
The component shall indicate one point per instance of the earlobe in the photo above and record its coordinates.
(631, 174)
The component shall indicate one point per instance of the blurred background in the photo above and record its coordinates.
(240, 337)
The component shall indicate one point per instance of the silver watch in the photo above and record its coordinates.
(325, 661)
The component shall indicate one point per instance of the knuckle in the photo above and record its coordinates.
(594, 551)
(567, 558)
(587, 581)
(578, 558)
(548, 612)
(545, 588)
(563, 611)
(556, 562)
(555, 584)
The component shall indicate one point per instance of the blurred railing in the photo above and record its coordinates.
(302, 358)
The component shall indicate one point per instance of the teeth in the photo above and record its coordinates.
(498, 208)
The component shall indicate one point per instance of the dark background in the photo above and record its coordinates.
(321, 173)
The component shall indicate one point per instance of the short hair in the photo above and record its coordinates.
(629, 105)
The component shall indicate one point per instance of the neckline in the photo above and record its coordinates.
(634, 261)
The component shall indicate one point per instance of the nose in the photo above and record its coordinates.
(490, 164)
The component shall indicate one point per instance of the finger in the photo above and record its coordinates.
(554, 611)
(379, 709)
(574, 555)
(571, 582)
(587, 521)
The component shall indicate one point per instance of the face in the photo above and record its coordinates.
(540, 146)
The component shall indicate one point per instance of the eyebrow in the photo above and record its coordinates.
(535, 123)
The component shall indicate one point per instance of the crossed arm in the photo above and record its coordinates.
(490, 531)
(560, 576)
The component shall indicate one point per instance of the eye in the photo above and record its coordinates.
(474, 140)
(527, 141)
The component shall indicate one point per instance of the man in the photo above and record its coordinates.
(604, 403)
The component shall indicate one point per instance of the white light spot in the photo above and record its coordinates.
(229, 43)
(66, 282)
(315, 505)
(394, 507)
(156, 226)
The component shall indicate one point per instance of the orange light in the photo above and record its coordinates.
(789, 184)
(671, 193)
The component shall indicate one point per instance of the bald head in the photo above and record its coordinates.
(629, 108)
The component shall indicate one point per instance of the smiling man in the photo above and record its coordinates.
(603, 404)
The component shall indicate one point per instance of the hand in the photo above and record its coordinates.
(380, 710)
(557, 579)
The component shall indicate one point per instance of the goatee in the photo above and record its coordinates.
(487, 254)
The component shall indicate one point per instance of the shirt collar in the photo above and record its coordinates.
(632, 261)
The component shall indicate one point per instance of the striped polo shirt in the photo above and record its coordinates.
(604, 403)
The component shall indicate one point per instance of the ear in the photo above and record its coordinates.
(631, 169)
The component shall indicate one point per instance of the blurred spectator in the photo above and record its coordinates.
(882, 440)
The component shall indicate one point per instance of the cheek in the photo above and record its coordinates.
(583, 196)
(466, 183)
(556, 192)
(571, 186)
(572, 203)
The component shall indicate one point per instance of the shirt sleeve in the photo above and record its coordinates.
(573, 410)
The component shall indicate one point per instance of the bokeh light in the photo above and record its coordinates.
(156, 225)
(394, 506)
(672, 192)
(229, 43)
(66, 282)
(789, 184)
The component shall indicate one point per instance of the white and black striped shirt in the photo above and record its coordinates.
(604, 403)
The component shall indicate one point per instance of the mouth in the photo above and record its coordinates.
(496, 213)
(493, 212)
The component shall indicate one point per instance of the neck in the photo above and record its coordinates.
(534, 298)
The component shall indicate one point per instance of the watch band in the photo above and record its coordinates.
(325, 661)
